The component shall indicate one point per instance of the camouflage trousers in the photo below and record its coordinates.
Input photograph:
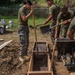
(64, 31)
(24, 40)
(53, 30)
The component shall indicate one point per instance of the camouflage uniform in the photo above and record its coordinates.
(54, 10)
(64, 27)
(23, 32)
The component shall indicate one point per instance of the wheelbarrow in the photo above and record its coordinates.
(66, 50)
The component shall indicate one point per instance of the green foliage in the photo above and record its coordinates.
(10, 2)
(41, 12)
(8, 11)
(18, 1)
(13, 2)
(12, 11)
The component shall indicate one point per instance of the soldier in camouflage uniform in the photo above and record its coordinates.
(71, 29)
(53, 13)
(64, 15)
(23, 29)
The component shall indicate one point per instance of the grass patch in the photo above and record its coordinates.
(13, 18)
(15, 21)
(37, 21)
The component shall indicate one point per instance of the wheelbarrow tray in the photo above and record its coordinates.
(65, 44)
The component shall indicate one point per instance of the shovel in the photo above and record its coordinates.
(64, 22)
(35, 26)
(46, 28)
(35, 30)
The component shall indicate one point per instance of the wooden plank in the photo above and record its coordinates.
(72, 73)
(49, 63)
(40, 51)
(40, 73)
(1, 39)
(54, 48)
(31, 64)
(64, 40)
(5, 44)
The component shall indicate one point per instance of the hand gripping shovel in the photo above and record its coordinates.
(64, 22)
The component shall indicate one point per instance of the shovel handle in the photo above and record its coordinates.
(33, 18)
(39, 25)
(64, 22)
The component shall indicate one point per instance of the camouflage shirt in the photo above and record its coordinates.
(73, 21)
(22, 11)
(72, 25)
(63, 18)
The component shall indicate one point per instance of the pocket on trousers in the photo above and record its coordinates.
(22, 39)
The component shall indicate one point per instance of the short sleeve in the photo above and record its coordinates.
(23, 11)
(71, 13)
(59, 17)
(51, 10)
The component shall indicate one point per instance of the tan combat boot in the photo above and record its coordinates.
(21, 59)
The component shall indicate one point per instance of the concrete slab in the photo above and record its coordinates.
(72, 73)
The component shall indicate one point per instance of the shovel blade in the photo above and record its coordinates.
(44, 29)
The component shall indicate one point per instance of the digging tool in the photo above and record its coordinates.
(54, 48)
(46, 28)
(39, 25)
(35, 26)
(32, 27)
(33, 18)
(59, 24)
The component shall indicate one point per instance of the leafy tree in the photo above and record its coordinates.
(18, 1)
(9, 2)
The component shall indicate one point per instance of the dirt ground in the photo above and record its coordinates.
(9, 63)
